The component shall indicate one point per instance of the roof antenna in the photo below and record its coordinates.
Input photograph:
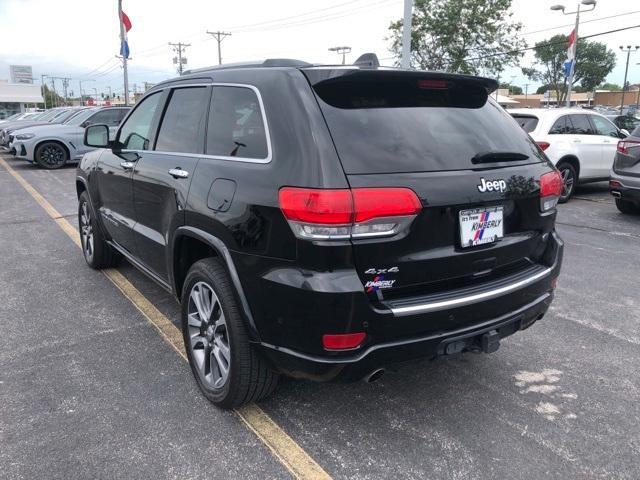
(367, 60)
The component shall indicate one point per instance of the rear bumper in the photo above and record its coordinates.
(625, 187)
(399, 331)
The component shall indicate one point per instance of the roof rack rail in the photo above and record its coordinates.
(269, 62)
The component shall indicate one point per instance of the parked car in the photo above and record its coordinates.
(625, 122)
(624, 183)
(52, 146)
(580, 143)
(325, 222)
(55, 115)
(20, 116)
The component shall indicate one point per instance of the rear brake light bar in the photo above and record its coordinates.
(339, 214)
(625, 145)
(550, 190)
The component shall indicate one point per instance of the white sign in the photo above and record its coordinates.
(21, 73)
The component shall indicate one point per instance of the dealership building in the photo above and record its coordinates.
(17, 97)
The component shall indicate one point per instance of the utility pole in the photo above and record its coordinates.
(44, 91)
(179, 60)
(526, 92)
(124, 56)
(626, 71)
(65, 86)
(219, 36)
(406, 34)
(54, 97)
(341, 51)
(81, 91)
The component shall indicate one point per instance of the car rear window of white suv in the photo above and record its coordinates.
(527, 122)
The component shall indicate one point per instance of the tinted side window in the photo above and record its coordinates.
(562, 126)
(109, 117)
(182, 128)
(236, 127)
(581, 125)
(135, 132)
(604, 127)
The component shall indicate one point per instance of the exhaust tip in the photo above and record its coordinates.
(616, 194)
(374, 375)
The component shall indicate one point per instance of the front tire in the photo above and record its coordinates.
(569, 180)
(225, 365)
(97, 252)
(627, 207)
(51, 155)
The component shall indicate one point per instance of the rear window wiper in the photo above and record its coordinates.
(495, 156)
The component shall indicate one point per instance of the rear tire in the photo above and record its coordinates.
(97, 252)
(569, 181)
(627, 207)
(227, 368)
(51, 155)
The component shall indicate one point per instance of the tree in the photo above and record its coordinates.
(52, 98)
(614, 87)
(513, 89)
(594, 61)
(464, 36)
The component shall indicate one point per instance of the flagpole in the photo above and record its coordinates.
(575, 60)
(124, 57)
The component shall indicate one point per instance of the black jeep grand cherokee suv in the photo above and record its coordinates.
(323, 222)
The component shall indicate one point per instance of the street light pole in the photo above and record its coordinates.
(406, 34)
(575, 40)
(626, 71)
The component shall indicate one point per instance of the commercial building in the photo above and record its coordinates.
(17, 97)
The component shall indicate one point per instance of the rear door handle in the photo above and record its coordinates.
(127, 165)
(178, 173)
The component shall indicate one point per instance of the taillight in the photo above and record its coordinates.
(335, 214)
(550, 190)
(344, 341)
(625, 145)
(543, 145)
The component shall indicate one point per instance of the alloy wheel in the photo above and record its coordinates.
(52, 155)
(208, 336)
(86, 231)
(567, 182)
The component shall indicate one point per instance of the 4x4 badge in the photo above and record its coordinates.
(381, 271)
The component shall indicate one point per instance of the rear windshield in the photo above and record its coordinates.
(527, 122)
(389, 127)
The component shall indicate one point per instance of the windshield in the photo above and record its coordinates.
(15, 116)
(49, 114)
(386, 128)
(80, 116)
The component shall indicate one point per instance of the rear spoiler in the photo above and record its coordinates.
(356, 73)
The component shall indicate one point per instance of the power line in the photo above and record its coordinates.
(219, 36)
(581, 22)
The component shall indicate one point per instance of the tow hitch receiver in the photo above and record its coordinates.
(490, 341)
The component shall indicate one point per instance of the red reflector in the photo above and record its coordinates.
(550, 184)
(554, 283)
(543, 145)
(614, 184)
(343, 341)
(310, 205)
(384, 202)
(433, 84)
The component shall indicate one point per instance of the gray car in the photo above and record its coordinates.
(624, 183)
(53, 145)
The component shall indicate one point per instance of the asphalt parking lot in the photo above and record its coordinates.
(89, 389)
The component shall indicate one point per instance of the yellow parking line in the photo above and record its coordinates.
(284, 448)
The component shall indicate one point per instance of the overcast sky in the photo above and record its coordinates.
(79, 38)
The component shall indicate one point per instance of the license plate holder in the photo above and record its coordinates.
(481, 226)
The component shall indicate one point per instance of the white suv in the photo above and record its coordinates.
(581, 143)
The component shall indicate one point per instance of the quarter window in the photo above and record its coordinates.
(182, 128)
(135, 132)
(562, 126)
(236, 127)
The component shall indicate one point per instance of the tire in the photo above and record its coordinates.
(627, 207)
(51, 155)
(569, 181)
(97, 252)
(216, 339)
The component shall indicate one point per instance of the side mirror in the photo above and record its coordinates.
(624, 133)
(97, 136)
